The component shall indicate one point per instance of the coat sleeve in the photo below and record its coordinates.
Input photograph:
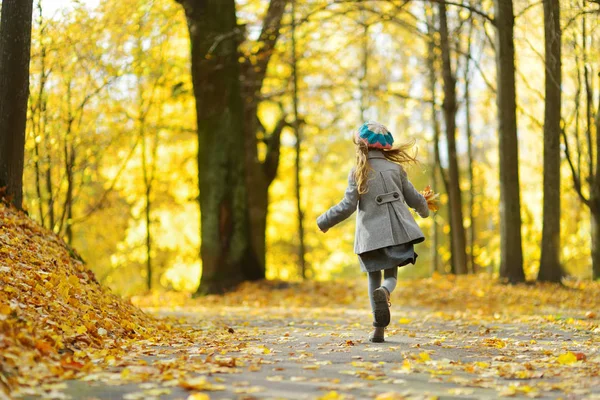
(343, 209)
(413, 198)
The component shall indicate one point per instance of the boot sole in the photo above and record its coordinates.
(382, 310)
(376, 339)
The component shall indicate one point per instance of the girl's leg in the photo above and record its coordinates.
(374, 283)
(379, 300)
(378, 333)
(390, 278)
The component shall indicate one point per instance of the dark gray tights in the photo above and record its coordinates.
(390, 277)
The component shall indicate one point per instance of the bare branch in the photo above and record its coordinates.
(271, 163)
(254, 73)
(526, 9)
(100, 203)
(576, 177)
(474, 10)
(406, 96)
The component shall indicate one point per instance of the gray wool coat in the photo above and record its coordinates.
(383, 218)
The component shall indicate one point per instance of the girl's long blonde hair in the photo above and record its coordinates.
(399, 155)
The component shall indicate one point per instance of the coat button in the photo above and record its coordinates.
(396, 195)
(378, 199)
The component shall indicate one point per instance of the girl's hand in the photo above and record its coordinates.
(432, 198)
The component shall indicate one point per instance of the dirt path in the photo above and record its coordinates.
(310, 353)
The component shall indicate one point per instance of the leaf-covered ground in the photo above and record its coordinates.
(64, 336)
(56, 321)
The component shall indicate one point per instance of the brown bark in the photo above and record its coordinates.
(437, 166)
(364, 82)
(225, 231)
(472, 226)
(298, 169)
(69, 163)
(550, 268)
(595, 203)
(593, 172)
(147, 200)
(15, 46)
(260, 175)
(595, 225)
(50, 190)
(511, 252)
(450, 107)
(469, 134)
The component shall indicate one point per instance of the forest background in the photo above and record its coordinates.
(111, 143)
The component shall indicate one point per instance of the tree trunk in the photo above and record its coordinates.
(38, 117)
(511, 252)
(596, 244)
(15, 46)
(472, 230)
(363, 82)
(435, 258)
(259, 175)
(148, 240)
(450, 107)
(469, 134)
(593, 173)
(50, 191)
(595, 197)
(147, 199)
(595, 203)
(435, 124)
(550, 268)
(226, 246)
(70, 157)
(298, 171)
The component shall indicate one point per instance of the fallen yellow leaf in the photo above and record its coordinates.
(390, 396)
(200, 383)
(333, 395)
(567, 358)
(198, 396)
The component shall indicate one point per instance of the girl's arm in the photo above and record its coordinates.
(413, 198)
(343, 209)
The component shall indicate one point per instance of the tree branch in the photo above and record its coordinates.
(529, 7)
(467, 7)
(100, 203)
(576, 177)
(271, 163)
(255, 73)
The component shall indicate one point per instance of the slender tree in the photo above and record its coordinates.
(595, 204)
(226, 247)
(364, 76)
(37, 115)
(511, 251)
(438, 169)
(15, 45)
(298, 170)
(469, 137)
(590, 151)
(550, 268)
(435, 126)
(450, 107)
